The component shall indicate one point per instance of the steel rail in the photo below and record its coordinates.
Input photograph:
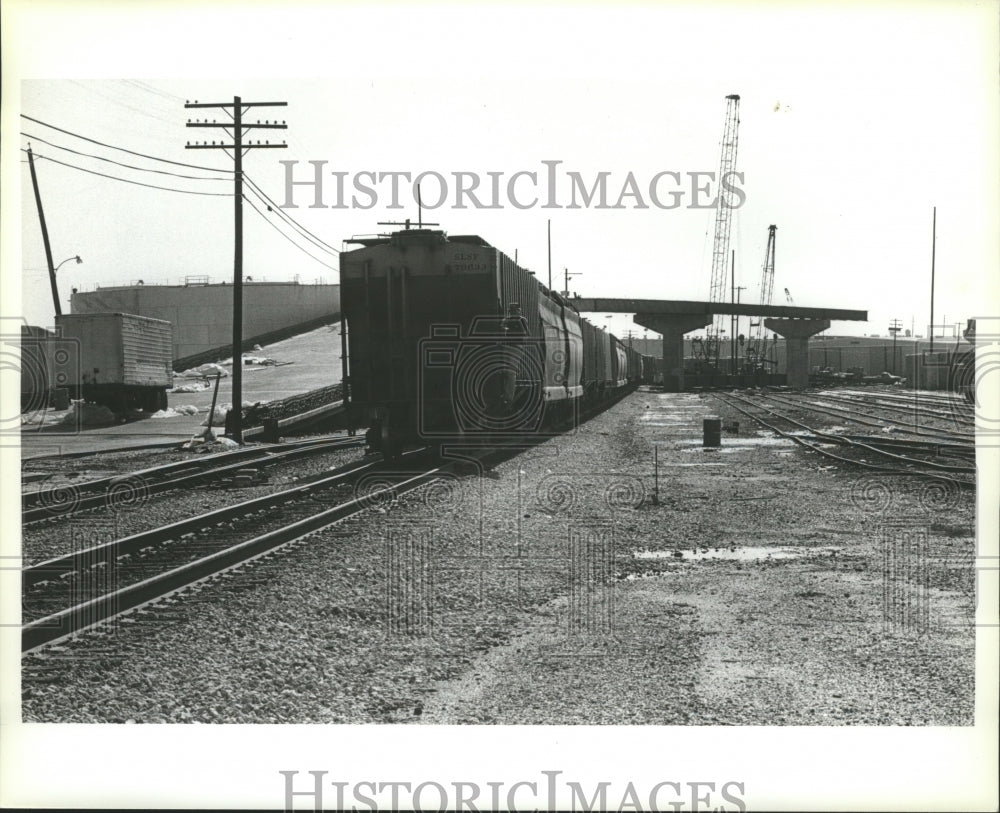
(926, 431)
(106, 552)
(871, 466)
(90, 613)
(171, 444)
(951, 449)
(39, 513)
(101, 483)
(841, 440)
(899, 405)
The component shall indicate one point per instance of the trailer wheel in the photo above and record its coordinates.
(147, 400)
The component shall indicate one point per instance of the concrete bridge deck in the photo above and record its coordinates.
(680, 307)
(673, 318)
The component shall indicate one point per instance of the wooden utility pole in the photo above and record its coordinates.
(566, 276)
(894, 329)
(732, 321)
(933, 252)
(236, 130)
(550, 254)
(736, 325)
(45, 234)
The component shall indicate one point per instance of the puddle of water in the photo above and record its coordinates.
(737, 553)
(676, 465)
(730, 441)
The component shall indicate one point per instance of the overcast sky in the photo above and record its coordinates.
(853, 125)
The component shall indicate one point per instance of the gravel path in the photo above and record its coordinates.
(517, 597)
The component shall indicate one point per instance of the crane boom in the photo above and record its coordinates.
(757, 344)
(723, 222)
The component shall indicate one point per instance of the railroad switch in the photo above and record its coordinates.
(245, 477)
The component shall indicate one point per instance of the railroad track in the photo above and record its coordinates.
(878, 421)
(914, 463)
(74, 592)
(70, 499)
(956, 415)
(69, 594)
(55, 458)
(930, 397)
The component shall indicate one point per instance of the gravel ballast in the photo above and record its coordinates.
(141, 511)
(517, 597)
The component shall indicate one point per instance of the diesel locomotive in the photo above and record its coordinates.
(448, 340)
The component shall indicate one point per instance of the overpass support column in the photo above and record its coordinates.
(673, 327)
(796, 333)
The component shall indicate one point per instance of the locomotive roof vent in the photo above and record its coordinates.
(470, 239)
(418, 237)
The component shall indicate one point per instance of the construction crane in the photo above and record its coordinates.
(723, 222)
(757, 342)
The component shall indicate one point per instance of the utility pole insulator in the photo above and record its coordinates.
(239, 128)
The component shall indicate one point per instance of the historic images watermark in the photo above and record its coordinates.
(548, 188)
(911, 566)
(576, 546)
(546, 792)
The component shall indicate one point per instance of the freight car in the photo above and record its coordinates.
(447, 339)
(652, 370)
(119, 360)
(962, 372)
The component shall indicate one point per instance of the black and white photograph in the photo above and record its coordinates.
(500, 406)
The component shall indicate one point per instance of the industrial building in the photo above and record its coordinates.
(873, 355)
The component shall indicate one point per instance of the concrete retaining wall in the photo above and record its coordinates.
(201, 315)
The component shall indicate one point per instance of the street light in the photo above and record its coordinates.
(77, 258)
(52, 277)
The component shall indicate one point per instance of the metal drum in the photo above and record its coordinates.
(712, 432)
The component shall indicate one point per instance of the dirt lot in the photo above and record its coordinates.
(769, 588)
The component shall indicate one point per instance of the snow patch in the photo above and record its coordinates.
(81, 414)
(205, 371)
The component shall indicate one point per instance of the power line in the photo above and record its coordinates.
(125, 180)
(116, 99)
(287, 216)
(274, 207)
(239, 128)
(289, 239)
(299, 229)
(122, 149)
(150, 89)
(319, 242)
(119, 163)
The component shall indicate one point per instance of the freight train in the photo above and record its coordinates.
(446, 339)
